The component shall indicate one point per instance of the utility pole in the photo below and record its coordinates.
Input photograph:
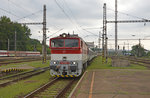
(104, 14)
(128, 47)
(8, 45)
(15, 42)
(44, 52)
(139, 52)
(139, 42)
(106, 49)
(116, 30)
(99, 40)
(103, 47)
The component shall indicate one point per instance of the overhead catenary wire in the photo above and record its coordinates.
(70, 19)
(78, 26)
(64, 11)
(74, 18)
(32, 14)
(19, 6)
(89, 32)
(55, 33)
(9, 12)
(25, 9)
(127, 14)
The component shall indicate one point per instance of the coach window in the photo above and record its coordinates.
(57, 43)
(71, 43)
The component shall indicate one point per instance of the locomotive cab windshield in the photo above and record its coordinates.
(64, 43)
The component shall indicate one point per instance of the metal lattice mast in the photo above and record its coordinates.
(116, 30)
(44, 51)
(104, 36)
(105, 32)
(44, 35)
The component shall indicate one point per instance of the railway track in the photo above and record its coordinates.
(53, 89)
(14, 78)
(138, 61)
(4, 61)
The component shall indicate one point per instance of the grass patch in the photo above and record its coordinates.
(97, 64)
(23, 87)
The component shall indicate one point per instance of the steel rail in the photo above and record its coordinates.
(31, 95)
(138, 61)
(21, 78)
(2, 63)
(19, 74)
(64, 90)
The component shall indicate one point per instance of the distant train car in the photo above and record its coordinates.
(3, 53)
(11, 53)
(18, 53)
(69, 56)
(32, 53)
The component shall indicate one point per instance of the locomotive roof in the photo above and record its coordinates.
(64, 35)
(69, 36)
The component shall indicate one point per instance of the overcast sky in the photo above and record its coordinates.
(84, 17)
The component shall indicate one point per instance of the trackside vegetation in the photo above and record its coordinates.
(21, 88)
(34, 64)
(97, 64)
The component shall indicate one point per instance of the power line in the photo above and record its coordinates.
(63, 11)
(71, 20)
(127, 14)
(67, 15)
(29, 15)
(9, 12)
(17, 5)
(89, 32)
(56, 32)
(78, 26)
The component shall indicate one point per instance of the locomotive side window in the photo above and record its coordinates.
(57, 43)
(71, 43)
(81, 44)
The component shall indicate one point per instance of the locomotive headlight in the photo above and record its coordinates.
(64, 35)
(74, 63)
(54, 62)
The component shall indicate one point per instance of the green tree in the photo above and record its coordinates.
(138, 50)
(23, 33)
(7, 31)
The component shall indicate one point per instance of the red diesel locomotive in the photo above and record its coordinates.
(69, 55)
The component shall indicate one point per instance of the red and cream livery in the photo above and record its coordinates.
(69, 56)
